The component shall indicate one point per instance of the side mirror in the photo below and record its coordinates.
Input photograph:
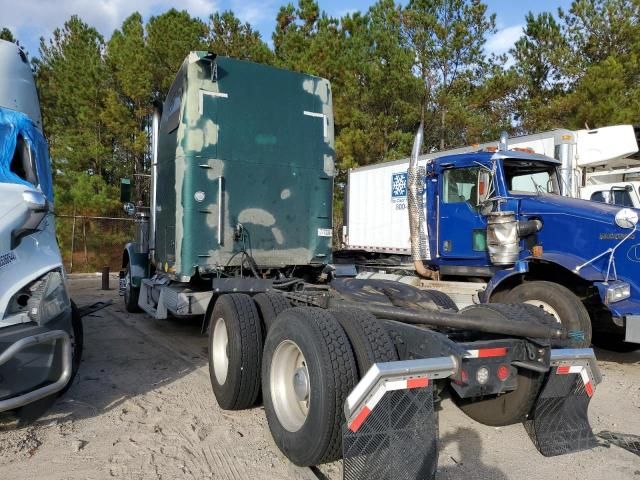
(483, 186)
(35, 200)
(125, 190)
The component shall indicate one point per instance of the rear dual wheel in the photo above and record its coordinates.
(235, 351)
(308, 370)
(270, 305)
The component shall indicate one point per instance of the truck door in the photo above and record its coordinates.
(462, 228)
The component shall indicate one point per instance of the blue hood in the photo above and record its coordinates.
(531, 205)
(575, 231)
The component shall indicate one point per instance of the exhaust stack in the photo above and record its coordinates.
(155, 129)
(417, 225)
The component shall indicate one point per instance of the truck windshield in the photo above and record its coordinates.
(529, 177)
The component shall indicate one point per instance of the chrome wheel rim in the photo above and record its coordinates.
(219, 347)
(546, 307)
(290, 386)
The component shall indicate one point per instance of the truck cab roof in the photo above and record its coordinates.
(17, 86)
(486, 157)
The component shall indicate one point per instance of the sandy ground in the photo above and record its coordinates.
(141, 407)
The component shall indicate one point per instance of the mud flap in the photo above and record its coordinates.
(559, 422)
(385, 444)
(392, 425)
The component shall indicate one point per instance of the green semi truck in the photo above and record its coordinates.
(238, 232)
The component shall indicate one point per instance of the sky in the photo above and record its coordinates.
(31, 19)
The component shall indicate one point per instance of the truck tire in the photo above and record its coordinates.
(441, 299)
(511, 407)
(560, 302)
(270, 305)
(369, 340)
(307, 372)
(131, 293)
(235, 350)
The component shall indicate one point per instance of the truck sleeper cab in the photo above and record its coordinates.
(231, 188)
(40, 330)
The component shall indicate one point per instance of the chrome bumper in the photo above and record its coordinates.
(39, 393)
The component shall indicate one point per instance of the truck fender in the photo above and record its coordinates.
(571, 263)
(500, 276)
(138, 263)
(561, 261)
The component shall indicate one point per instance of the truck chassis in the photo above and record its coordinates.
(335, 363)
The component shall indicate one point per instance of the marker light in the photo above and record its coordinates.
(482, 375)
(503, 372)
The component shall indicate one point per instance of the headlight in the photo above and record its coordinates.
(41, 300)
(626, 218)
(618, 291)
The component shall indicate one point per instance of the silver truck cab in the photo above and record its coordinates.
(40, 329)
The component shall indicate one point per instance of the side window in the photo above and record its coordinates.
(460, 185)
(23, 162)
(598, 197)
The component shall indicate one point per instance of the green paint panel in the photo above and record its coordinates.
(264, 135)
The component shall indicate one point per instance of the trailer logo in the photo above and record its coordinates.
(399, 185)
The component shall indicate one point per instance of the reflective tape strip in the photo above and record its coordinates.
(588, 386)
(396, 385)
(368, 408)
(589, 389)
(359, 420)
(487, 352)
(418, 382)
(582, 371)
(388, 386)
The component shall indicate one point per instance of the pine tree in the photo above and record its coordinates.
(170, 38)
(448, 38)
(6, 34)
(72, 80)
(540, 56)
(128, 102)
(231, 38)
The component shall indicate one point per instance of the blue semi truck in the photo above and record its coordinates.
(492, 226)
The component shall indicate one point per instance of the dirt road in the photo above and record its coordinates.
(142, 408)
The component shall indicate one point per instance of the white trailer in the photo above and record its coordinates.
(597, 164)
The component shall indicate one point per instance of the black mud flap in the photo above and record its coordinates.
(558, 422)
(396, 440)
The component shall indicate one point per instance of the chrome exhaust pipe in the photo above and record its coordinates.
(155, 129)
(417, 224)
